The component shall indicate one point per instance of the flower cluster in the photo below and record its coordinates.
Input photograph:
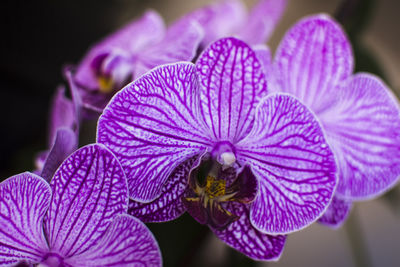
(253, 147)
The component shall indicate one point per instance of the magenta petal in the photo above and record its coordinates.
(132, 38)
(127, 242)
(179, 44)
(65, 143)
(363, 129)
(232, 82)
(296, 169)
(152, 126)
(337, 213)
(168, 206)
(89, 189)
(261, 21)
(242, 236)
(220, 19)
(24, 199)
(62, 114)
(313, 58)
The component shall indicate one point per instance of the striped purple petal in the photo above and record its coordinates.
(242, 236)
(313, 58)
(337, 213)
(127, 242)
(261, 21)
(89, 189)
(296, 169)
(232, 83)
(152, 126)
(363, 128)
(168, 206)
(132, 38)
(24, 199)
(180, 43)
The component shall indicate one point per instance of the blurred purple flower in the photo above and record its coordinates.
(128, 53)
(230, 18)
(63, 134)
(269, 171)
(77, 220)
(359, 113)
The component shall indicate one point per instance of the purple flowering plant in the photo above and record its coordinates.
(79, 219)
(209, 139)
(359, 113)
(251, 147)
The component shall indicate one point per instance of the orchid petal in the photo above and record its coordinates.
(337, 213)
(24, 200)
(179, 44)
(89, 189)
(132, 38)
(233, 83)
(242, 236)
(169, 205)
(65, 143)
(152, 126)
(261, 21)
(313, 58)
(263, 54)
(296, 169)
(218, 20)
(363, 128)
(62, 114)
(127, 242)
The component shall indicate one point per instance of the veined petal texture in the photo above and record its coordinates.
(337, 213)
(24, 200)
(89, 190)
(261, 21)
(152, 126)
(168, 206)
(241, 235)
(313, 58)
(363, 128)
(288, 153)
(127, 242)
(233, 83)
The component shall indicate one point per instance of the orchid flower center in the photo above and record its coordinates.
(52, 260)
(212, 185)
(112, 71)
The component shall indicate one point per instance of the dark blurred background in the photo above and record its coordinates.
(39, 37)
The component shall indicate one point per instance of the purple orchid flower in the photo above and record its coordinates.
(230, 18)
(77, 220)
(206, 139)
(63, 134)
(359, 113)
(128, 53)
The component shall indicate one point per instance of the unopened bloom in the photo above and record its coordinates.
(131, 51)
(64, 122)
(359, 113)
(77, 220)
(258, 164)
